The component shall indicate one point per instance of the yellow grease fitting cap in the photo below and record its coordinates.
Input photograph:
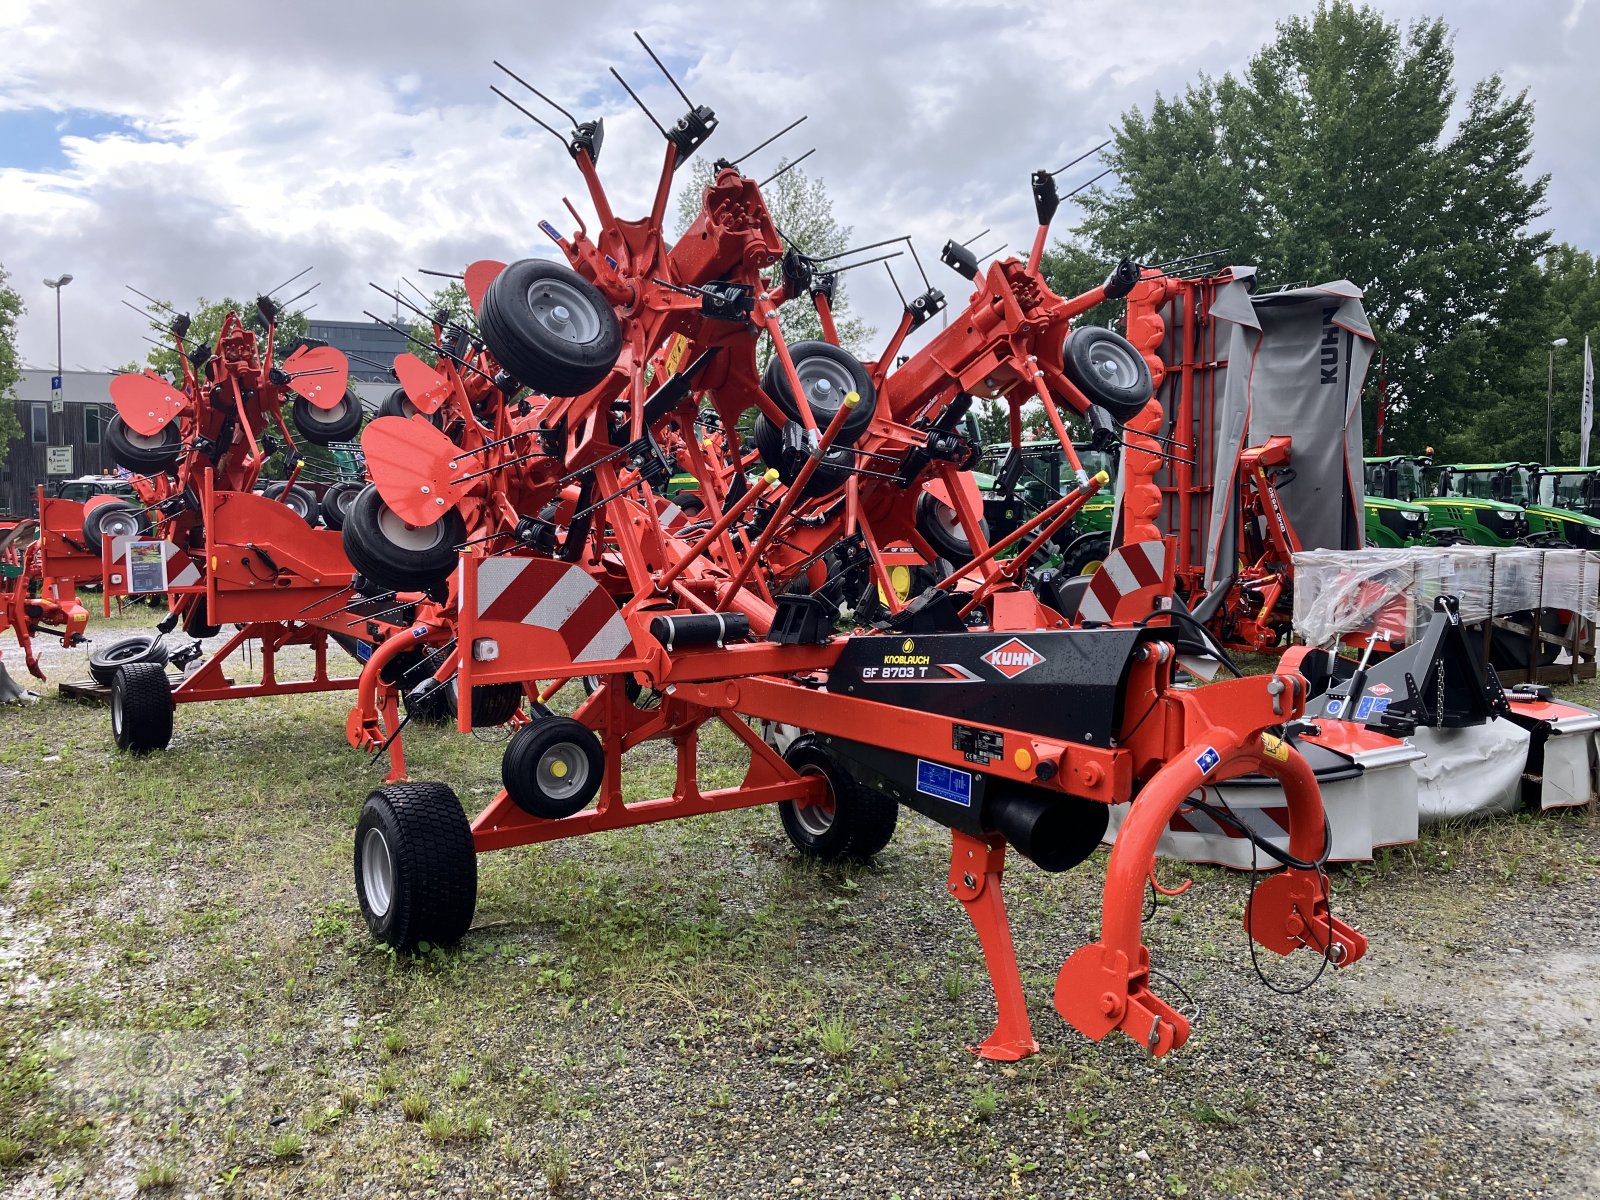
(851, 399)
(1102, 478)
(1022, 758)
(558, 769)
(771, 477)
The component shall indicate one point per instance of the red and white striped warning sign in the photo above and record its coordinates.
(1128, 571)
(556, 596)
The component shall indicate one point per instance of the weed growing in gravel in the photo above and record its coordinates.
(439, 1127)
(985, 1102)
(835, 1037)
(155, 1175)
(414, 1106)
(459, 1079)
(393, 1044)
(287, 1145)
(557, 1165)
(954, 985)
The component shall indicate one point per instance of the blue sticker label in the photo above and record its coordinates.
(1335, 707)
(1380, 706)
(550, 231)
(944, 783)
(1207, 760)
(1364, 708)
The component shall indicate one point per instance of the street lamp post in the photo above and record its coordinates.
(1549, 394)
(55, 285)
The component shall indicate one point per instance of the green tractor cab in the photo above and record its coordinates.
(1019, 486)
(1393, 484)
(1480, 503)
(1565, 505)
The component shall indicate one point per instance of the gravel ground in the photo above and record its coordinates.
(688, 1010)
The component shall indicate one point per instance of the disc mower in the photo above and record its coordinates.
(1006, 709)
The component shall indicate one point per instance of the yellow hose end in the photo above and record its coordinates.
(771, 477)
(851, 399)
(1102, 478)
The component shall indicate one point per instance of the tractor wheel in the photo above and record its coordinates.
(416, 870)
(850, 824)
(301, 501)
(119, 518)
(941, 528)
(336, 502)
(550, 327)
(1086, 554)
(1108, 370)
(141, 648)
(827, 374)
(140, 453)
(553, 767)
(141, 707)
(320, 426)
(395, 555)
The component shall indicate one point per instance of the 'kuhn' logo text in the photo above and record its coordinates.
(1330, 347)
(1013, 658)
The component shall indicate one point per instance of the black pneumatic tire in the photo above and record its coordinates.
(141, 708)
(937, 523)
(116, 517)
(395, 555)
(416, 871)
(142, 454)
(862, 820)
(826, 373)
(1086, 554)
(550, 327)
(553, 767)
(301, 501)
(829, 476)
(397, 404)
(341, 423)
(336, 502)
(1108, 370)
(141, 648)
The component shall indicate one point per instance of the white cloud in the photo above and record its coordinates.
(362, 137)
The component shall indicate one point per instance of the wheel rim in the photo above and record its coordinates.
(116, 712)
(344, 500)
(948, 520)
(825, 382)
(815, 816)
(1114, 364)
(564, 311)
(1090, 567)
(293, 501)
(126, 652)
(119, 525)
(329, 416)
(416, 539)
(562, 771)
(147, 441)
(377, 872)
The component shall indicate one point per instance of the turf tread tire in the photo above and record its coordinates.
(435, 884)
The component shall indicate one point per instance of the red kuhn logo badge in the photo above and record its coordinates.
(1013, 658)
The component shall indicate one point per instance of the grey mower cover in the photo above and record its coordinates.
(1288, 363)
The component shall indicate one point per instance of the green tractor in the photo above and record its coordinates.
(1565, 506)
(1393, 485)
(1023, 484)
(1479, 503)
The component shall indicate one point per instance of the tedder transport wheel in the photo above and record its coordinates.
(1086, 554)
(141, 708)
(850, 824)
(141, 648)
(1108, 370)
(550, 327)
(300, 501)
(416, 870)
(937, 522)
(341, 423)
(141, 453)
(832, 473)
(336, 502)
(395, 555)
(553, 767)
(827, 374)
(119, 518)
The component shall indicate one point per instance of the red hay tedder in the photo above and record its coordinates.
(1003, 708)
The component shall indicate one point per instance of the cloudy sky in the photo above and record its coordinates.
(189, 152)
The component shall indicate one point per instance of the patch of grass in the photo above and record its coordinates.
(414, 1106)
(459, 1079)
(440, 1126)
(834, 1037)
(985, 1102)
(557, 1164)
(287, 1145)
(153, 1175)
(393, 1044)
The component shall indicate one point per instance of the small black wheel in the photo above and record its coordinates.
(1108, 370)
(301, 501)
(415, 866)
(850, 823)
(787, 459)
(550, 327)
(397, 404)
(140, 452)
(141, 708)
(492, 703)
(140, 648)
(197, 620)
(336, 501)
(827, 374)
(396, 555)
(940, 526)
(1086, 554)
(119, 518)
(320, 426)
(553, 767)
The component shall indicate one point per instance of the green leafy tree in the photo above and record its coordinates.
(803, 213)
(1332, 157)
(10, 363)
(451, 299)
(205, 323)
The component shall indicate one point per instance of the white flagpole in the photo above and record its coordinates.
(1588, 405)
